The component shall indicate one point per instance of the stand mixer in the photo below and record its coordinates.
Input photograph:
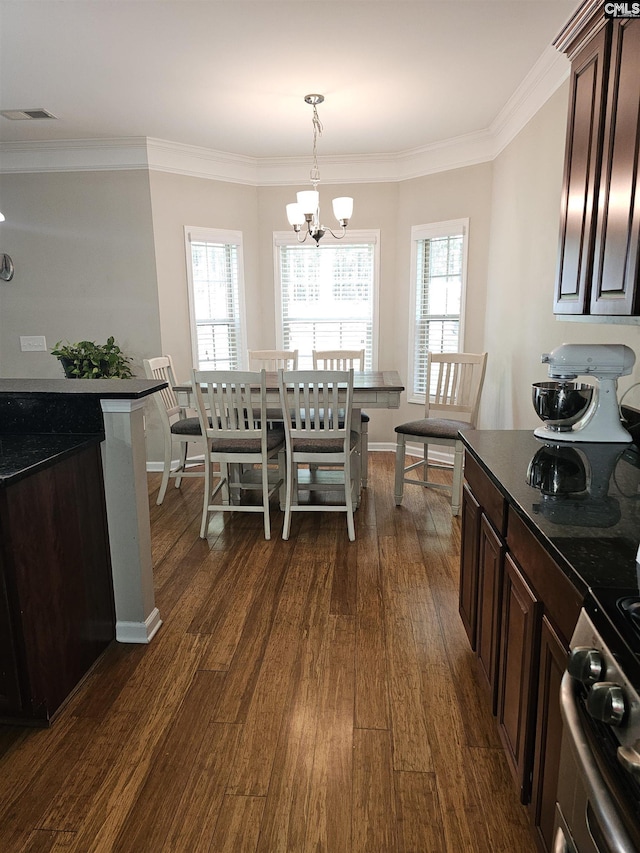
(582, 412)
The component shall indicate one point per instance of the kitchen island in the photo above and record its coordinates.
(541, 525)
(56, 592)
(113, 409)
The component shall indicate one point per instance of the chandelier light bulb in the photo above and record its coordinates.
(309, 201)
(295, 214)
(343, 208)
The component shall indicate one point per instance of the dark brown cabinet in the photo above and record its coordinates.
(525, 612)
(56, 593)
(521, 617)
(468, 590)
(598, 259)
(548, 734)
(490, 574)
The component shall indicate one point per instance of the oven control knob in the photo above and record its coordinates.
(629, 757)
(606, 703)
(586, 664)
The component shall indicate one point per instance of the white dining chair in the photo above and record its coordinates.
(232, 407)
(453, 387)
(177, 428)
(317, 409)
(344, 359)
(273, 359)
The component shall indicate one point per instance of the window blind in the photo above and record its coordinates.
(327, 298)
(216, 309)
(439, 273)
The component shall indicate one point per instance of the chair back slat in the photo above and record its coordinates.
(339, 359)
(161, 367)
(231, 404)
(273, 359)
(317, 403)
(454, 384)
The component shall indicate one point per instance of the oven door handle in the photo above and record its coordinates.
(610, 829)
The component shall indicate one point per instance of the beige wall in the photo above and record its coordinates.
(82, 245)
(519, 320)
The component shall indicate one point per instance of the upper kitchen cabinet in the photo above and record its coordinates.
(598, 261)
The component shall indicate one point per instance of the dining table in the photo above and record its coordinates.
(372, 389)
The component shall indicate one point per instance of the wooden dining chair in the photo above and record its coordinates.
(454, 384)
(343, 359)
(317, 408)
(177, 428)
(232, 407)
(273, 359)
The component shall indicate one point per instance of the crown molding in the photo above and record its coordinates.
(79, 155)
(74, 155)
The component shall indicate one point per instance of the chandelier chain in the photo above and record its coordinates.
(314, 174)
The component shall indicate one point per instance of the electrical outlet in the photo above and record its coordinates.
(33, 343)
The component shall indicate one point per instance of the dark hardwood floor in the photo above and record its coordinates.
(309, 695)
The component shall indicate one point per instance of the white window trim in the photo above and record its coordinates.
(369, 236)
(425, 232)
(215, 235)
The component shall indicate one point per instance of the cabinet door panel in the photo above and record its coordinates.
(468, 601)
(10, 697)
(615, 288)
(582, 166)
(553, 661)
(519, 642)
(490, 565)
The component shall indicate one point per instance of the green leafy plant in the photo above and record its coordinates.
(88, 360)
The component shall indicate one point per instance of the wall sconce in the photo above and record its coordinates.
(6, 264)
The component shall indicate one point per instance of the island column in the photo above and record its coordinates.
(125, 479)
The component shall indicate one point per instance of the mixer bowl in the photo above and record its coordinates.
(561, 404)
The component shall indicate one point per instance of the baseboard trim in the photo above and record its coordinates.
(139, 632)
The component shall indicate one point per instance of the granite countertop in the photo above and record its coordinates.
(120, 389)
(592, 530)
(23, 455)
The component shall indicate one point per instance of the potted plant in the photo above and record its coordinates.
(88, 360)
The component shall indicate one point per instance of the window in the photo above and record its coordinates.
(438, 264)
(214, 272)
(327, 294)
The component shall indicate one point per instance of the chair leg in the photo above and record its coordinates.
(282, 476)
(349, 489)
(207, 495)
(456, 492)
(265, 501)
(399, 480)
(184, 446)
(166, 470)
(364, 453)
(286, 526)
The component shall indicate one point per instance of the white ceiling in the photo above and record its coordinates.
(230, 76)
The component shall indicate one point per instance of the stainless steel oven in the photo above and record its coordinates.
(598, 804)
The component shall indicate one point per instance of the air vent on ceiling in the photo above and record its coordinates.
(27, 115)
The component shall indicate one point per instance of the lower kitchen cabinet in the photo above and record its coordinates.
(519, 610)
(490, 579)
(468, 591)
(519, 646)
(548, 734)
(56, 592)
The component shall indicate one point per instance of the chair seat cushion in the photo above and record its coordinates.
(275, 437)
(186, 426)
(433, 428)
(323, 445)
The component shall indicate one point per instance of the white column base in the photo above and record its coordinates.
(139, 632)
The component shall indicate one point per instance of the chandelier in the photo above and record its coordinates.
(306, 210)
